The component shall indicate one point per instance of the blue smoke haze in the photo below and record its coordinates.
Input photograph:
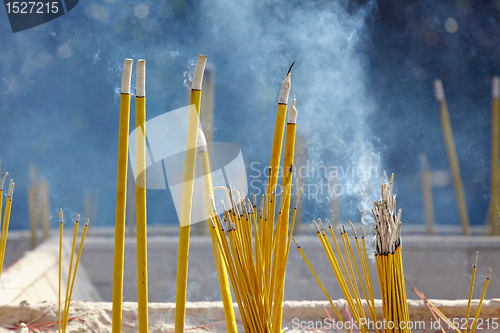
(362, 79)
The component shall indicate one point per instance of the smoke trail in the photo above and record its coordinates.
(326, 40)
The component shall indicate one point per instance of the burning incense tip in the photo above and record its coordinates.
(495, 89)
(320, 224)
(127, 76)
(3, 180)
(285, 89)
(475, 260)
(77, 218)
(438, 89)
(329, 224)
(316, 226)
(353, 230)
(11, 190)
(198, 72)
(61, 214)
(87, 223)
(296, 243)
(141, 79)
(292, 114)
(489, 273)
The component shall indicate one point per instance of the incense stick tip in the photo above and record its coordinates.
(353, 230)
(296, 243)
(315, 226)
(292, 114)
(495, 87)
(439, 91)
(127, 76)
(3, 180)
(141, 79)
(199, 71)
(285, 90)
(489, 273)
(87, 223)
(77, 218)
(475, 259)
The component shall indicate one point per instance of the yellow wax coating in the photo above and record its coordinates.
(470, 293)
(61, 226)
(140, 199)
(495, 137)
(474, 323)
(5, 231)
(66, 299)
(66, 314)
(454, 165)
(279, 129)
(320, 284)
(121, 198)
(187, 197)
(225, 290)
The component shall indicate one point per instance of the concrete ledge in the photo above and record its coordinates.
(35, 277)
(438, 266)
(96, 317)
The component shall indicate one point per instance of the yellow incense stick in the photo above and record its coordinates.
(32, 215)
(279, 129)
(44, 205)
(73, 277)
(61, 226)
(225, 290)
(6, 221)
(427, 195)
(187, 197)
(495, 137)
(2, 227)
(319, 281)
(121, 197)
(73, 246)
(452, 157)
(140, 195)
(470, 292)
(474, 323)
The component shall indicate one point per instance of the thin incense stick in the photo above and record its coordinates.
(73, 277)
(140, 197)
(2, 226)
(187, 198)
(452, 156)
(495, 138)
(282, 244)
(121, 197)
(470, 292)
(474, 323)
(5, 231)
(279, 129)
(44, 205)
(427, 195)
(61, 226)
(73, 246)
(225, 290)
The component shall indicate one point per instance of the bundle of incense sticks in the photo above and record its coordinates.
(254, 242)
(389, 259)
(64, 316)
(4, 223)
